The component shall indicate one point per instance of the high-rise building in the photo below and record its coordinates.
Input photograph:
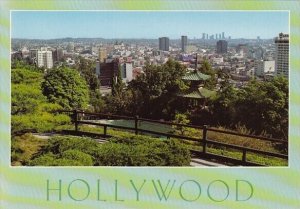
(282, 55)
(57, 55)
(44, 59)
(264, 66)
(223, 35)
(164, 43)
(107, 71)
(102, 54)
(203, 35)
(221, 46)
(183, 43)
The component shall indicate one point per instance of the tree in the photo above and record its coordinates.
(181, 119)
(87, 71)
(29, 107)
(207, 69)
(155, 91)
(65, 87)
(259, 106)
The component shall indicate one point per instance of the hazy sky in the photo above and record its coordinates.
(103, 24)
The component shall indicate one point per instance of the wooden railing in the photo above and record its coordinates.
(204, 141)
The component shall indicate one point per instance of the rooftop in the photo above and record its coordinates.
(195, 76)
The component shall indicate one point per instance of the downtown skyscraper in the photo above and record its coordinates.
(164, 43)
(222, 46)
(183, 43)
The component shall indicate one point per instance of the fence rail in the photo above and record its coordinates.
(204, 141)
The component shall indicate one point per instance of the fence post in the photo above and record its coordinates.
(136, 120)
(204, 138)
(76, 120)
(105, 130)
(244, 157)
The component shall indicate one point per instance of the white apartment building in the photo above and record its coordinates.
(44, 59)
(264, 66)
(282, 55)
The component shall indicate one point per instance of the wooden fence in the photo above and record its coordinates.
(80, 116)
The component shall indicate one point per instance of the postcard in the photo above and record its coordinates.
(170, 106)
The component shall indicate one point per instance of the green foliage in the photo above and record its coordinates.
(260, 106)
(51, 160)
(208, 70)
(37, 122)
(143, 151)
(128, 150)
(79, 156)
(25, 98)
(97, 102)
(29, 107)
(24, 147)
(59, 144)
(25, 76)
(117, 84)
(22, 64)
(87, 71)
(65, 87)
(154, 93)
(181, 119)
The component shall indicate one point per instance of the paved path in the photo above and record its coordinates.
(196, 162)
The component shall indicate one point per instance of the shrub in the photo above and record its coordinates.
(126, 151)
(50, 159)
(142, 151)
(79, 156)
(24, 147)
(59, 144)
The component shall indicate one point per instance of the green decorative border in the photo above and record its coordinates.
(27, 187)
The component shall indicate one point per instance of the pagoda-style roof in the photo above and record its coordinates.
(198, 93)
(195, 76)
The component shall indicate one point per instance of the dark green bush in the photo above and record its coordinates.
(142, 151)
(127, 151)
(59, 144)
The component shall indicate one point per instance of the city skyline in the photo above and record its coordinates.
(147, 24)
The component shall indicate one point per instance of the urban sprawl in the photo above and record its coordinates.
(243, 59)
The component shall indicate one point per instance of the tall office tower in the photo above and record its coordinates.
(44, 59)
(216, 36)
(102, 54)
(220, 36)
(223, 35)
(183, 43)
(206, 36)
(203, 36)
(164, 43)
(282, 55)
(221, 46)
